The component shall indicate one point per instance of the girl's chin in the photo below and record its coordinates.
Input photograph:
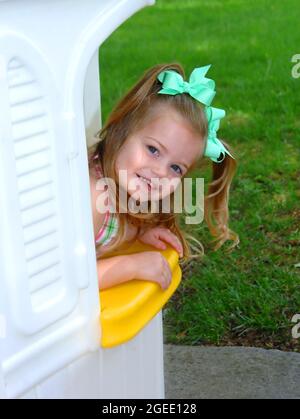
(143, 196)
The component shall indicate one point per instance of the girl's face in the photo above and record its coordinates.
(162, 151)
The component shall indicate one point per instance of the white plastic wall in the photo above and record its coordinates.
(48, 279)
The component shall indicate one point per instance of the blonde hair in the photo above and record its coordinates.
(130, 115)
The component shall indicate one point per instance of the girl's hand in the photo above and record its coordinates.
(152, 266)
(156, 237)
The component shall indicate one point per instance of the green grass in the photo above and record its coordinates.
(249, 296)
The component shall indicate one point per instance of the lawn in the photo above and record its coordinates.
(247, 297)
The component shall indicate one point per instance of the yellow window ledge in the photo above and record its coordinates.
(128, 307)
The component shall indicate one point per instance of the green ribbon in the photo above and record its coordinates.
(202, 89)
(199, 87)
(214, 147)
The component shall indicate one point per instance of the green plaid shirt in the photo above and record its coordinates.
(109, 229)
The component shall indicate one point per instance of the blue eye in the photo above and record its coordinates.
(178, 168)
(150, 146)
(154, 148)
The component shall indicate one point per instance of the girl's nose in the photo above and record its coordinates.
(160, 171)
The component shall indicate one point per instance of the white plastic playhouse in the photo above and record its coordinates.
(49, 300)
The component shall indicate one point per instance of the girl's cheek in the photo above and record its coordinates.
(175, 183)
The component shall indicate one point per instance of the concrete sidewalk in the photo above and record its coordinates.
(202, 372)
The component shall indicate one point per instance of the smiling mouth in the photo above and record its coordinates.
(146, 181)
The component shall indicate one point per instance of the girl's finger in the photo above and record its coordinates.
(168, 270)
(166, 282)
(158, 244)
(169, 237)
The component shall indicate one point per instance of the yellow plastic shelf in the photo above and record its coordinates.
(128, 307)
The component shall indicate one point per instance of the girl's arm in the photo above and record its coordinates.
(148, 266)
(115, 270)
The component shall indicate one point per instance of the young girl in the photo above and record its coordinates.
(160, 129)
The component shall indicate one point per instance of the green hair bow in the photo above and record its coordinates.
(202, 89)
